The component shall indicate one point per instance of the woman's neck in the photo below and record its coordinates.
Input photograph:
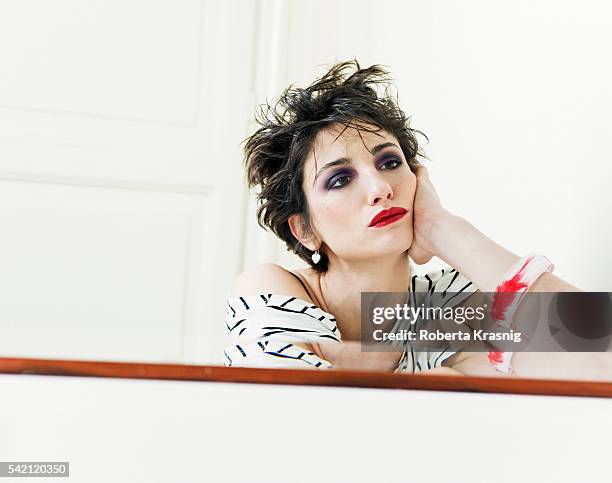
(341, 287)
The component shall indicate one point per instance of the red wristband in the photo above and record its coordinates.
(508, 296)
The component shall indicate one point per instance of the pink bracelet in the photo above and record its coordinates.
(508, 296)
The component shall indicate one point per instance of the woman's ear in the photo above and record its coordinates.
(298, 229)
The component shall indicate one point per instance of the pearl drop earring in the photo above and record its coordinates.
(316, 257)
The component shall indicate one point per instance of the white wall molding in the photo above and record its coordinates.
(270, 78)
(93, 182)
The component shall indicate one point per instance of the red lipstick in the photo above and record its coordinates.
(388, 216)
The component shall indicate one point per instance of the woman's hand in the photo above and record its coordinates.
(351, 355)
(427, 210)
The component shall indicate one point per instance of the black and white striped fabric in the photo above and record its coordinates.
(431, 290)
(263, 330)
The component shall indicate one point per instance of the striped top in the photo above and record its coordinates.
(262, 330)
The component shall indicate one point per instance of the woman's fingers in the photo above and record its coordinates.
(422, 171)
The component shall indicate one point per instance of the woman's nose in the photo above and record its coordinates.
(379, 189)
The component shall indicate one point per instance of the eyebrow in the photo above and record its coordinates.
(375, 150)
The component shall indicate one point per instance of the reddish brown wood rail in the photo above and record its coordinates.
(305, 377)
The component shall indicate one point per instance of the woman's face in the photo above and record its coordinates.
(357, 176)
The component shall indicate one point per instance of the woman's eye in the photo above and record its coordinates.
(391, 163)
(339, 182)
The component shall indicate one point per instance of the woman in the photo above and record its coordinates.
(340, 182)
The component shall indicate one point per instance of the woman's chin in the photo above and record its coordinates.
(399, 241)
(395, 247)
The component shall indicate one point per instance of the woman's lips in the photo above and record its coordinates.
(386, 217)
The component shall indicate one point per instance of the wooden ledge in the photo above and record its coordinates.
(306, 377)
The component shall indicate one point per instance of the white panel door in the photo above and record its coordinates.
(121, 194)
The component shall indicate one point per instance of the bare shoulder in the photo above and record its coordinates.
(268, 278)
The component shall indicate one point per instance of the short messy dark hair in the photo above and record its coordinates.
(275, 153)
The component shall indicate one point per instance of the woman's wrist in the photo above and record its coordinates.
(459, 244)
(443, 228)
(352, 355)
